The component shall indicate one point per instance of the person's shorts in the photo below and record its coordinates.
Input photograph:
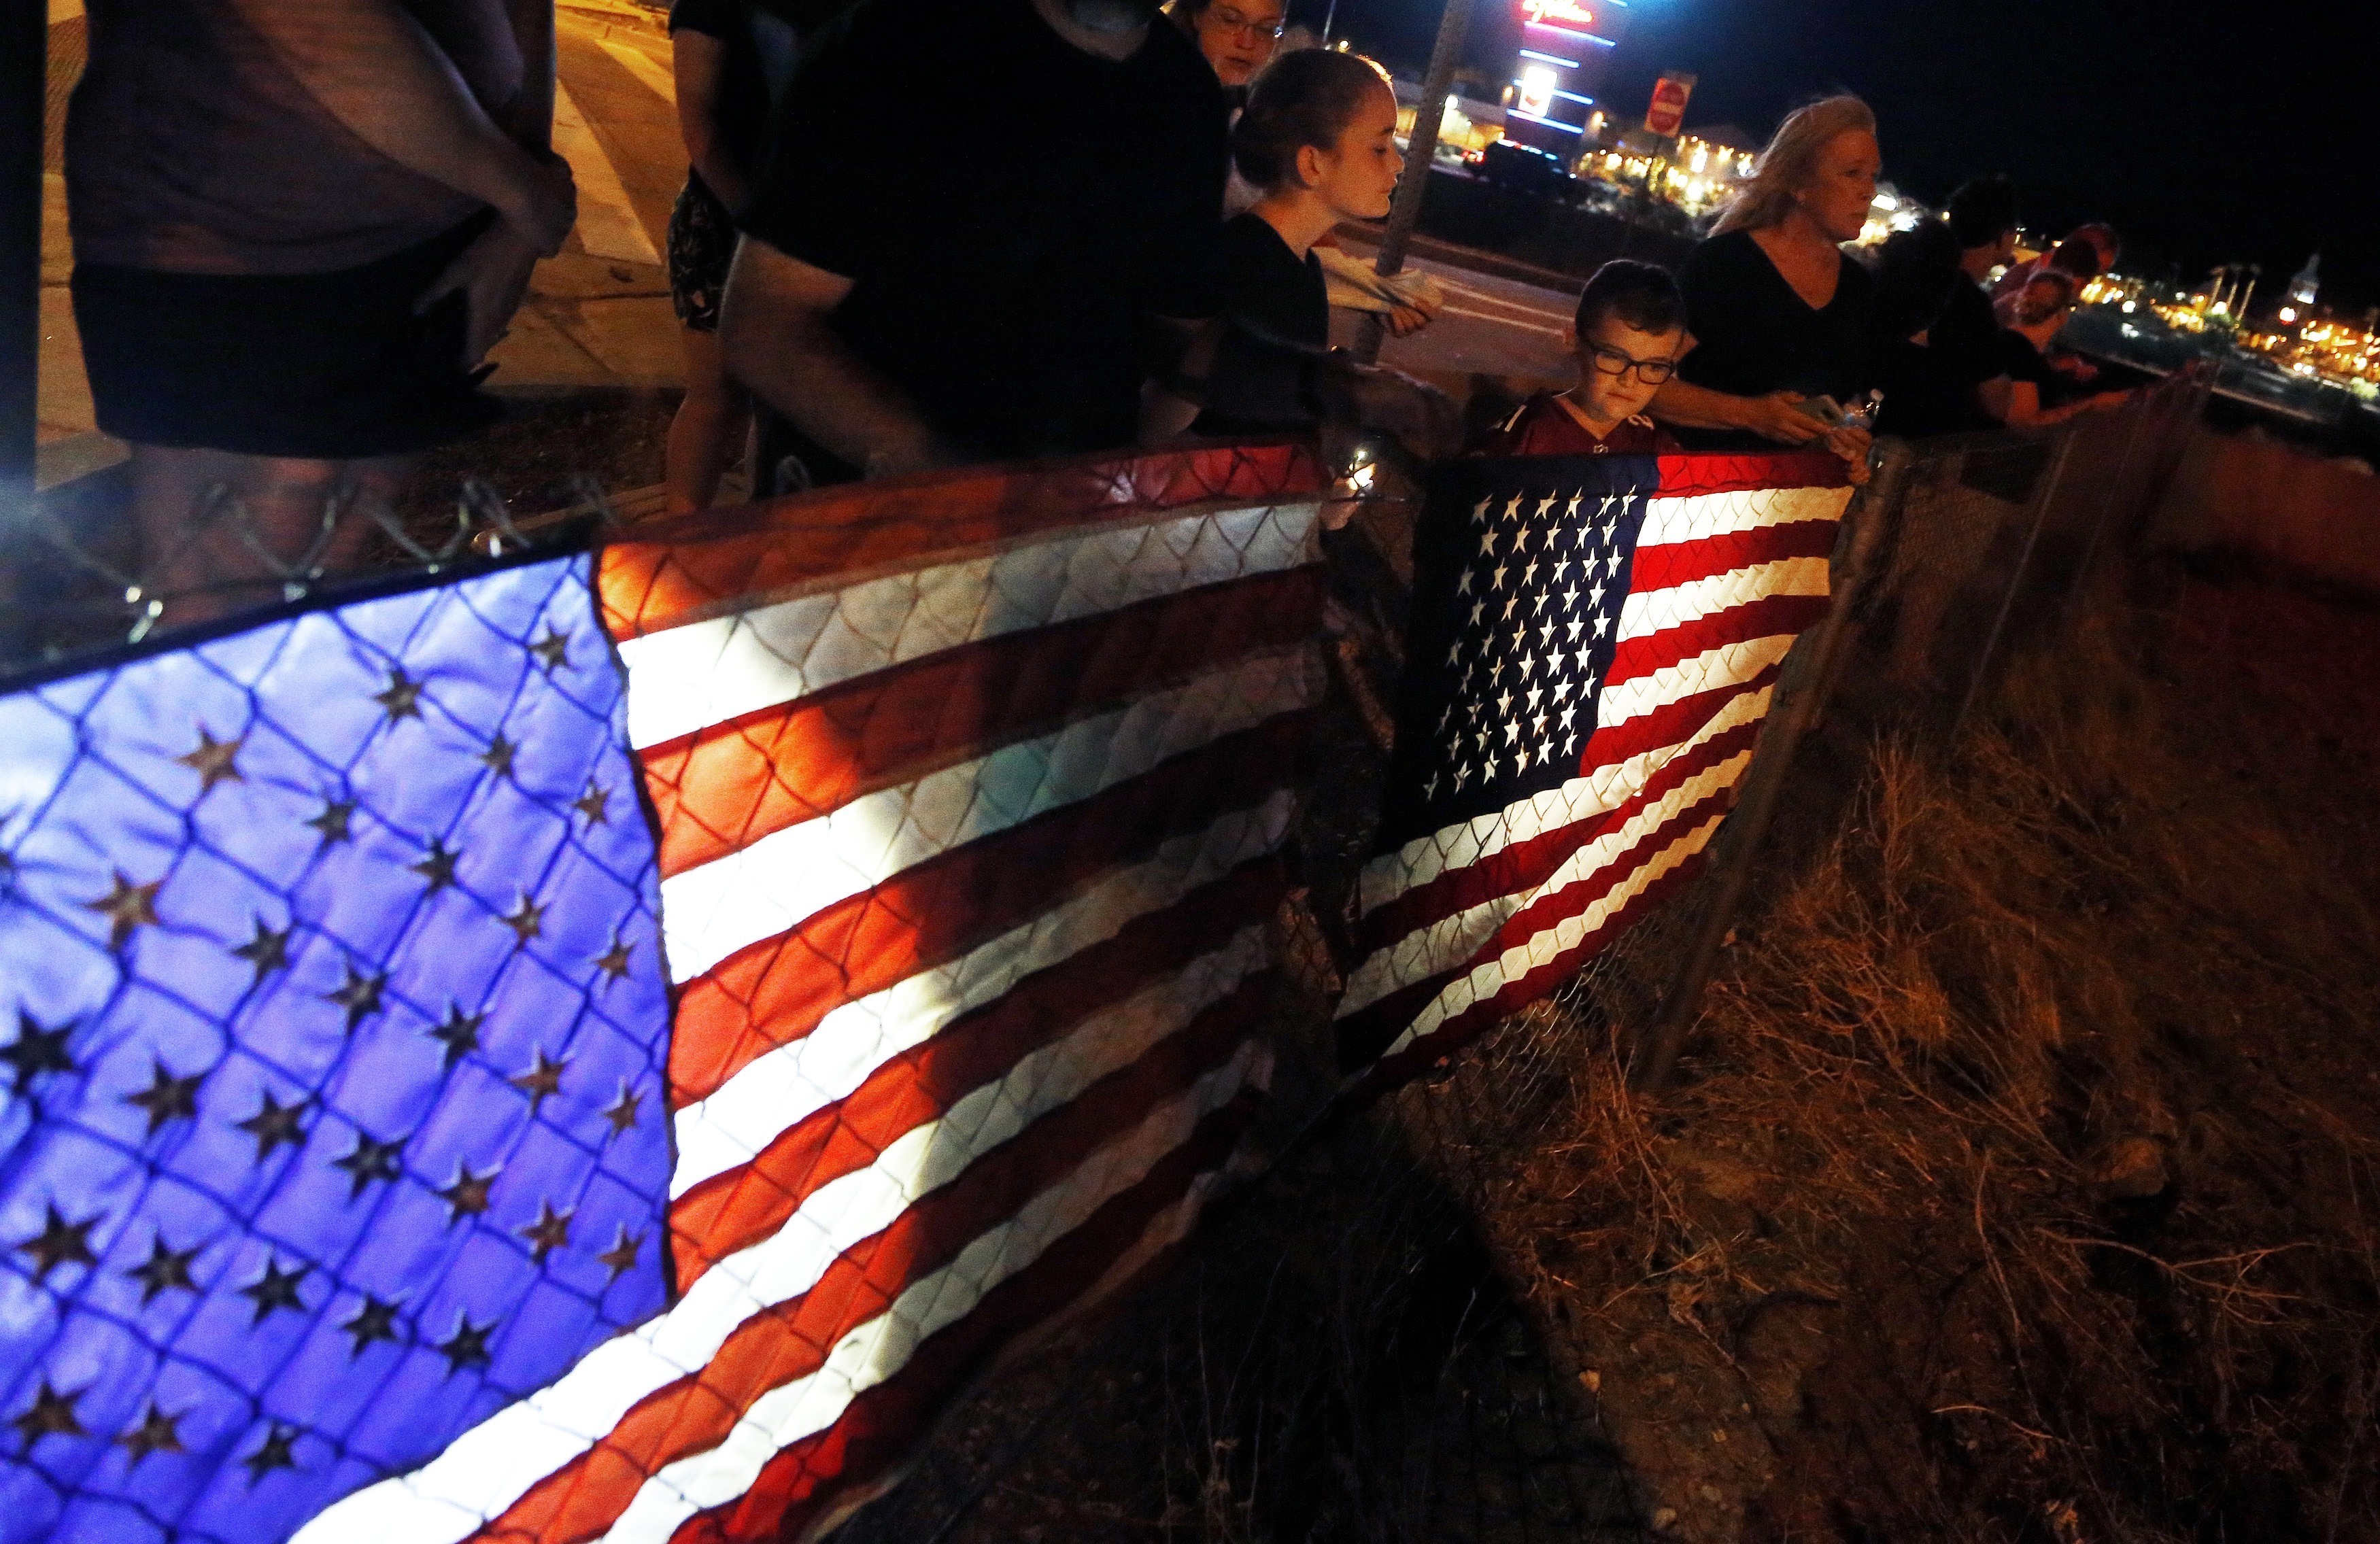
(701, 244)
(329, 367)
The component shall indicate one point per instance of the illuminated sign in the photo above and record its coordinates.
(1668, 113)
(1536, 92)
(1557, 13)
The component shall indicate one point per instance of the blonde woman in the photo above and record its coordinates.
(1778, 313)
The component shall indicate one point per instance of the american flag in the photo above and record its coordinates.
(1593, 644)
(605, 1047)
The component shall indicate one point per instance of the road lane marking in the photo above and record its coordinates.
(608, 227)
(654, 74)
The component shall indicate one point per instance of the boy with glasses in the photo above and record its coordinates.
(1630, 332)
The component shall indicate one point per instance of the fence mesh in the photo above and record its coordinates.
(1384, 1379)
(1350, 1355)
(88, 570)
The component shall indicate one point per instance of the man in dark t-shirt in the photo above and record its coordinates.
(977, 216)
(1965, 342)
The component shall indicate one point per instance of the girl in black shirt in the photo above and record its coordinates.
(1318, 140)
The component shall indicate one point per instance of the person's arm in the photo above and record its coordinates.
(2026, 412)
(373, 69)
(776, 323)
(699, 61)
(1176, 393)
(1683, 404)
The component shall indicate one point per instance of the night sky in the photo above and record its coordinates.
(2240, 133)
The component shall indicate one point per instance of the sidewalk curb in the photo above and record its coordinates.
(1493, 264)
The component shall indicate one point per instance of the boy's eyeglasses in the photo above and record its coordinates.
(1231, 21)
(1652, 372)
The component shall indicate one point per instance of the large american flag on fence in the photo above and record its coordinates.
(1594, 645)
(605, 1047)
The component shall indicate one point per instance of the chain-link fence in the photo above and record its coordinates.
(102, 560)
(1352, 1354)
(1351, 1348)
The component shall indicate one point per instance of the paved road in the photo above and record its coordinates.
(599, 314)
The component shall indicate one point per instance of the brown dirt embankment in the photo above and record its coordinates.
(2024, 1182)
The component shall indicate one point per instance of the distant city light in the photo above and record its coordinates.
(2288, 313)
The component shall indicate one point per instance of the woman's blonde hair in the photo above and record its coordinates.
(1791, 161)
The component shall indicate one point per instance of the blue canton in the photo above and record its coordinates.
(1522, 566)
(336, 1026)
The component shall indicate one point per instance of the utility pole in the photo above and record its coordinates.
(1453, 24)
(24, 68)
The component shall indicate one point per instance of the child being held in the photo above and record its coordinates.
(1631, 332)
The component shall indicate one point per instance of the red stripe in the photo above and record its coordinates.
(772, 992)
(741, 1206)
(810, 1478)
(728, 786)
(1770, 616)
(1527, 863)
(1548, 911)
(1725, 472)
(1368, 1032)
(714, 564)
(793, 1339)
(1364, 1036)
(1480, 1017)
(1667, 725)
(1668, 563)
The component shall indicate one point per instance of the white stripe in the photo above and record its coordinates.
(1458, 847)
(687, 678)
(1646, 612)
(760, 891)
(608, 227)
(1729, 664)
(882, 1347)
(1450, 941)
(1549, 945)
(779, 1090)
(490, 1467)
(1703, 516)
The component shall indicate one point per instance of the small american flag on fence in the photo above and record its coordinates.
(1594, 645)
(606, 1048)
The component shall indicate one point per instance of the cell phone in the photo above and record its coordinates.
(1825, 409)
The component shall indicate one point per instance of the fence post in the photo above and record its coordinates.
(2140, 416)
(1801, 699)
(1421, 153)
(2016, 582)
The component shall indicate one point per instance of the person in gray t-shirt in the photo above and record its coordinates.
(298, 225)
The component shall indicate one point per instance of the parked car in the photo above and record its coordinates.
(1524, 169)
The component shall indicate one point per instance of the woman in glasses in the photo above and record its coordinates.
(1237, 36)
(1630, 332)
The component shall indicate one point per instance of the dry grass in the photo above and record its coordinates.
(2023, 1186)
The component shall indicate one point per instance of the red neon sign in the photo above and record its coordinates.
(1547, 13)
